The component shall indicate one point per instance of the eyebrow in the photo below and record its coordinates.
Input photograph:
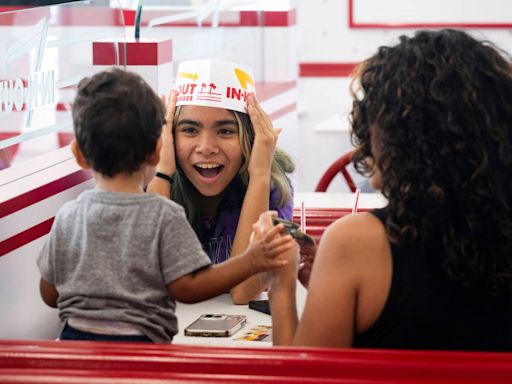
(218, 123)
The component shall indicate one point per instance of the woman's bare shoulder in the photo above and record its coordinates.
(361, 247)
(357, 232)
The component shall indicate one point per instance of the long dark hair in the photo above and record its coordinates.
(434, 114)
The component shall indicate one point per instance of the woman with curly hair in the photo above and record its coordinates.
(432, 124)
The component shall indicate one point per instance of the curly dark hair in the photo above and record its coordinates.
(117, 120)
(434, 114)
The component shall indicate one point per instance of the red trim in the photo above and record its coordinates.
(248, 19)
(25, 237)
(104, 16)
(350, 14)
(13, 8)
(326, 69)
(137, 53)
(36, 195)
(12, 149)
(353, 24)
(245, 19)
(267, 91)
(283, 111)
(63, 107)
(280, 18)
(129, 17)
(64, 138)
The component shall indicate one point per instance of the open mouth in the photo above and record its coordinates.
(208, 170)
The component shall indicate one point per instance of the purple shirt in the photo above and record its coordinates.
(217, 235)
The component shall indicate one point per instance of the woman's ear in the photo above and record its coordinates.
(154, 157)
(79, 156)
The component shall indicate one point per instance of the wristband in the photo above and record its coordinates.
(165, 177)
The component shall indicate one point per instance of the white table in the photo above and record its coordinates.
(222, 304)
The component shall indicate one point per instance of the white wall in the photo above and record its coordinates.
(325, 37)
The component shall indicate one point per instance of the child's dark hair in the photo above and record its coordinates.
(117, 120)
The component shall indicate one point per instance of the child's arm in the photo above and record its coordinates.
(49, 293)
(261, 255)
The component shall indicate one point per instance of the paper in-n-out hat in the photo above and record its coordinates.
(214, 83)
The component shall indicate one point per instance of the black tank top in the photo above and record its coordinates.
(424, 310)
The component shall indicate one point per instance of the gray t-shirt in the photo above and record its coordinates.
(111, 255)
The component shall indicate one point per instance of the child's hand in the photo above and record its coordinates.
(268, 243)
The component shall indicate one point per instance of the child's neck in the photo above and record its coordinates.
(122, 182)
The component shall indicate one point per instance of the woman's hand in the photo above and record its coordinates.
(307, 256)
(265, 139)
(167, 163)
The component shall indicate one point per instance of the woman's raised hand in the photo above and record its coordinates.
(265, 139)
(167, 163)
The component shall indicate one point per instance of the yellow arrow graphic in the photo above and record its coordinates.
(188, 75)
(243, 78)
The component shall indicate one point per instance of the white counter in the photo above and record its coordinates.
(222, 304)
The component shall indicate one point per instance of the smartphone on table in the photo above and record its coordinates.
(216, 325)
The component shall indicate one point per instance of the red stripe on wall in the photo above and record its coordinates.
(36, 195)
(283, 111)
(266, 91)
(25, 237)
(279, 18)
(104, 16)
(326, 69)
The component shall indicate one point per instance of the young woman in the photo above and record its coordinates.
(225, 172)
(432, 121)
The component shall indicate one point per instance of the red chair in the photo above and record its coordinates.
(339, 166)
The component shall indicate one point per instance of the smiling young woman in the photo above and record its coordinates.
(226, 171)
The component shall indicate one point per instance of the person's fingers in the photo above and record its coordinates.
(260, 120)
(265, 219)
(259, 110)
(171, 107)
(283, 240)
(276, 251)
(272, 232)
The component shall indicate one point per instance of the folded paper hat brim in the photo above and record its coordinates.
(214, 83)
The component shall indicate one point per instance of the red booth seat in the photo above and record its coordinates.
(106, 362)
